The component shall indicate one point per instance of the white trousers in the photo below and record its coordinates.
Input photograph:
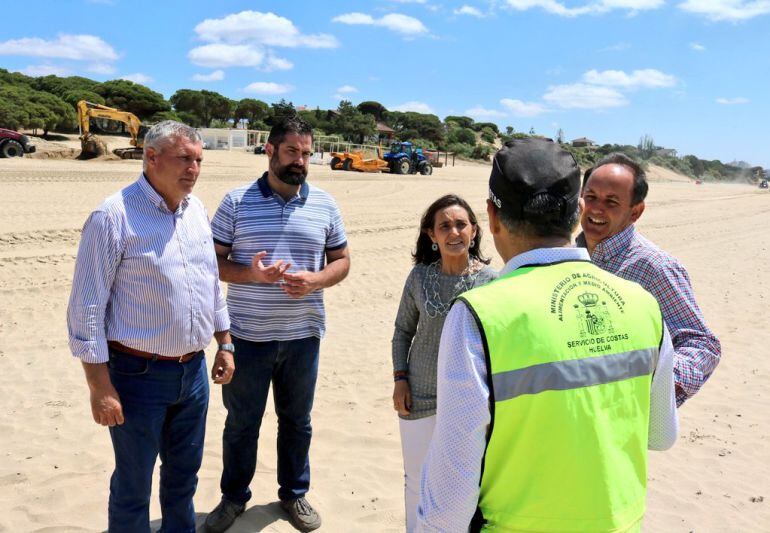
(415, 439)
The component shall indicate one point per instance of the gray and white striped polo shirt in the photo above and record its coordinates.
(300, 231)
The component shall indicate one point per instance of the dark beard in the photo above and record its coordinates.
(290, 175)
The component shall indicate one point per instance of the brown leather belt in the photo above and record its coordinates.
(115, 345)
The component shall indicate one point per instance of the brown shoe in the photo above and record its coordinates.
(301, 515)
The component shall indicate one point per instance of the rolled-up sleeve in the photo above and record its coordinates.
(449, 488)
(97, 261)
(221, 316)
(664, 420)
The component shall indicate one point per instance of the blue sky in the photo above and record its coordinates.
(695, 75)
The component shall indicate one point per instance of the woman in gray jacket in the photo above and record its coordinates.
(447, 262)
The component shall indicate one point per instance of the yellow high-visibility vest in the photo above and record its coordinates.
(570, 351)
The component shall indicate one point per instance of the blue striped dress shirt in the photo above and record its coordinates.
(145, 277)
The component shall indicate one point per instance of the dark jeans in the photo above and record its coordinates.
(292, 366)
(164, 406)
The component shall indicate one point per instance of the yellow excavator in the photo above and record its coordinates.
(92, 146)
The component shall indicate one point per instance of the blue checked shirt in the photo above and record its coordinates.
(697, 350)
(145, 277)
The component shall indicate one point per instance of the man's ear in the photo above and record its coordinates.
(494, 222)
(150, 154)
(636, 211)
(269, 149)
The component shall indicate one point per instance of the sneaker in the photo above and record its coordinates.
(223, 516)
(301, 515)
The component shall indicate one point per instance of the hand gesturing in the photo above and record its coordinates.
(269, 274)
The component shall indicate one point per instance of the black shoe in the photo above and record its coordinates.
(301, 515)
(223, 516)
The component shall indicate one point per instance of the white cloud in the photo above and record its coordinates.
(255, 27)
(482, 112)
(418, 107)
(344, 92)
(584, 96)
(402, 24)
(101, 68)
(46, 70)
(697, 47)
(226, 55)
(354, 18)
(268, 87)
(617, 47)
(321, 40)
(138, 77)
(732, 10)
(470, 11)
(523, 109)
(602, 6)
(733, 101)
(217, 75)
(65, 46)
(277, 63)
(647, 78)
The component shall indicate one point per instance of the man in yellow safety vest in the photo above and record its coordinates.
(553, 380)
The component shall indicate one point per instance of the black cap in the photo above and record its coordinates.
(526, 168)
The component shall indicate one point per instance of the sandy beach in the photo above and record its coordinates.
(56, 462)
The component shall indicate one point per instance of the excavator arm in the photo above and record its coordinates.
(88, 110)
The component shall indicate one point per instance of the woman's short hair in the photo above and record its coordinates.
(423, 253)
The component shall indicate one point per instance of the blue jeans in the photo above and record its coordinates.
(164, 406)
(292, 366)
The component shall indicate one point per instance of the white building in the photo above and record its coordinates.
(229, 139)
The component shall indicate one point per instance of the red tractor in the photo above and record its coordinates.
(14, 144)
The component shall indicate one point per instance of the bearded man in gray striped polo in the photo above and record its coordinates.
(145, 302)
(280, 242)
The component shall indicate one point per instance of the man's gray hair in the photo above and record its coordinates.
(161, 134)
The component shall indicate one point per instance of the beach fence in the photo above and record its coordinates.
(323, 145)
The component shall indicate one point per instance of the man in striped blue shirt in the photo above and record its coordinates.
(280, 242)
(145, 302)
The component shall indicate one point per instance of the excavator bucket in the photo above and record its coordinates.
(91, 146)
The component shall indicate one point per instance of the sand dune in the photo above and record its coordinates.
(56, 462)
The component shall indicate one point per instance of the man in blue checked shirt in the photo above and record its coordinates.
(280, 242)
(612, 201)
(145, 302)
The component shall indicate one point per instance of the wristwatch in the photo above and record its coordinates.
(227, 347)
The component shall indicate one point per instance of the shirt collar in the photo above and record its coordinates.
(540, 256)
(612, 246)
(267, 191)
(155, 198)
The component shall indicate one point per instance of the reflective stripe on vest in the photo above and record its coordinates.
(564, 375)
(570, 354)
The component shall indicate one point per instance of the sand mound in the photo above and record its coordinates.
(656, 173)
